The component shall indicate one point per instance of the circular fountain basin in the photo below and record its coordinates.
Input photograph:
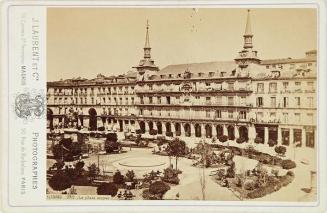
(141, 165)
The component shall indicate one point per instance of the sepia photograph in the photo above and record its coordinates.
(208, 104)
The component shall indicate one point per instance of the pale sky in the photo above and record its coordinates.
(87, 41)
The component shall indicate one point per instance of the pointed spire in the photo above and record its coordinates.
(147, 40)
(248, 30)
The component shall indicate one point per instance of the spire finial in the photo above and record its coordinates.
(248, 30)
(147, 40)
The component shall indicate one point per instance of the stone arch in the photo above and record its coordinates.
(220, 130)
(178, 129)
(197, 128)
(159, 127)
(168, 127)
(243, 131)
(231, 132)
(49, 118)
(92, 119)
(187, 130)
(150, 124)
(142, 126)
(208, 129)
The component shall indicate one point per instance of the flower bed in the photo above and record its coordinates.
(264, 158)
(254, 184)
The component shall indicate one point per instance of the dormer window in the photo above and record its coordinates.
(233, 72)
(211, 74)
(222, 74)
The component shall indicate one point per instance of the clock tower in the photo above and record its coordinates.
(247, 55)
(146, 64)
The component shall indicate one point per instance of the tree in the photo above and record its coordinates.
(118, 178)
(280, 150)
(176, 148)
(130, 176)
(112, 146)
(112, 137)
(60, 181)
(93, 171)
(107, 189)
(159, 188)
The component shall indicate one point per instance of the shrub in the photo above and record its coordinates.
(112, 137)
(118, 178)
(290, 173)
(271, 142)
(280, 150)
(153, 132)
(111, 146)
(169, 134)
(170, 176)
(240, 140)
(258, 140)
(249, 185)
(264, 158)
(230, 172)
(159, 188)
(107, 189)
(60, 181)
(275, 172)
(223, 138)
(288, 164)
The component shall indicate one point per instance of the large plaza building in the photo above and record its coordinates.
(246, 97)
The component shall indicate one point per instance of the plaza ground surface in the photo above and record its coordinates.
(190, 187)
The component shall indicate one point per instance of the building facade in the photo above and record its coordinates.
(247, 97)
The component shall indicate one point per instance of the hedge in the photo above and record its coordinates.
(288, 164)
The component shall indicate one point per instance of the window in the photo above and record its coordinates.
(297, 86)
(259, 101)
(267, 66)
(285, 86)
(298, 101)
(260, 87)
(272, 87)
(208, 100)
(242, 101)
(150, 100)
(168, 99)
(141, 100)
(310, 102)
(285, 117)
(297, 117)
(92, 100)
(230, 86)
(159, 100)
(242, 115)
(230, 114)
(310, 86)
(219, 100)
(218, 113)
(259, 116)
(285, 102)
(230, 101)
(310, 118)
(273, 101)
(141, 111)
(132, 99)
(208, 114)
(126, 101)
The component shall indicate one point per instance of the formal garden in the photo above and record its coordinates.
(133, 176)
